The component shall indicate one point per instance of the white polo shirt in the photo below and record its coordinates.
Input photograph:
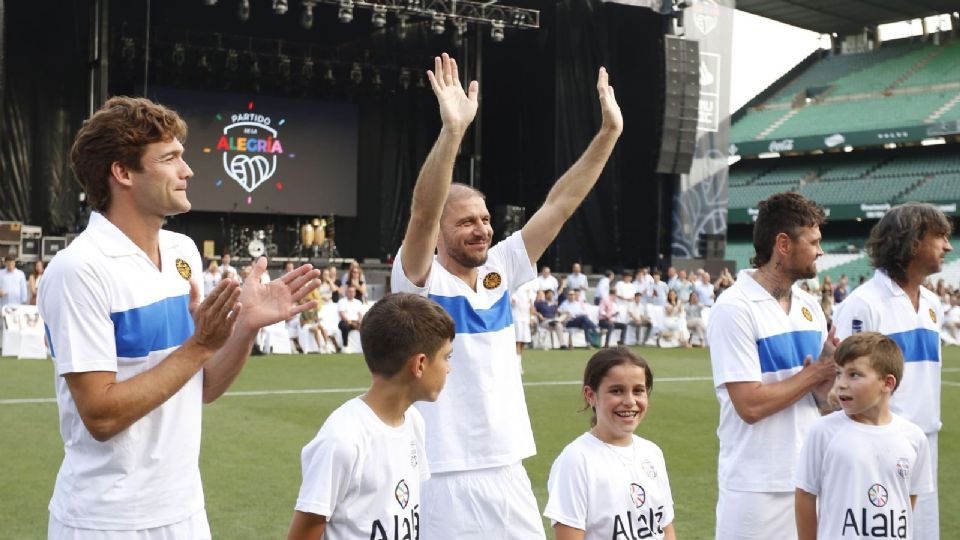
(752, 339)
(480, 419)
(880, 305)
(106, 307)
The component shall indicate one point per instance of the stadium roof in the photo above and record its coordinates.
(844, 16)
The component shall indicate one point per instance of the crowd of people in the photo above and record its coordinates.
(823, 433)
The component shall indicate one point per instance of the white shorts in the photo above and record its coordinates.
(749, 515)
(194, 527)
(926, 515)
(522, 330)
(482, 504)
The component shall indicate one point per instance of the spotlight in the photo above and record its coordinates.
(379, 17)
(283, 67)
(402, 25)
(306, 73)
(233, 60)
(356, 73)
(179, 55)
(280, 7)
(461, 28)
(404, 78)
(346, 11)
(438, 24)
(210, 2)
(328, 75)
(243, 10)
(306, 18)
(496, 31)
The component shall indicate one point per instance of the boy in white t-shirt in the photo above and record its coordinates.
(362, 472)
(864, 465)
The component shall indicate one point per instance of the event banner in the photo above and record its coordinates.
(701, 205)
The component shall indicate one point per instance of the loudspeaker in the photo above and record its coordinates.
(50, 245)
(10, 231)
(681, 105)
(507, 219)
(711, 246)
(30, 243)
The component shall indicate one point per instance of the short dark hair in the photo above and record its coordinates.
(885, 355)
(399, 326)
(895, 238)
(119, 132)
(782, 213)
(606, 359)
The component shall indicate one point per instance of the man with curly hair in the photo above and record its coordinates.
(908, 244)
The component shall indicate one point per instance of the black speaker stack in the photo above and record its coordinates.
(681, 104)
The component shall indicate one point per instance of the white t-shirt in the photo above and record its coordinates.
(863, 476)
(363, 475)
(625, 290)
(108, 308)
(609, 491)
(548, 283)
(880, 305)
(579, 282)
(752, 339)
(480, 419)
(350, 308)
(705, 291)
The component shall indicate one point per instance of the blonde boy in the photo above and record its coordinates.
(865, 464)
(362, 472)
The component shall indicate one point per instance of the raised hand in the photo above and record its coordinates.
(612, 117)
(457, 108)
(276, 301)
(214, 318)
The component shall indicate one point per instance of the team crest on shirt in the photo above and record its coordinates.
(878, 495)
(184, 269)
(637, 495)
(402, 493)
(806, 314)
(903, 468)
(649, 469)
(492, 280)
(933, 316)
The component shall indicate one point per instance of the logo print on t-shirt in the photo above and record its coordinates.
(806, 314)
(413, 454)
(877, 495)
(637, 495)
(184, 269)
(402, 493)
(903, 468)
(492, 280)
(649, 469)
(933, 316)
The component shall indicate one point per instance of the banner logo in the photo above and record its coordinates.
(706, 13)
(250, 148)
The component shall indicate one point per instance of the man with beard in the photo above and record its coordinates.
(906, 246)
(763, 335)
(478, 431)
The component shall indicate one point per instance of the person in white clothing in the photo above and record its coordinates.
(13, 284)
(610, 483)
(908, 244)
(351, 312)
(135, 350)
(211, 276)
(363, 470)
(764, 334)
(547, 281)
(861, 470)
(577, 279)
(479, 430)
(521, 307)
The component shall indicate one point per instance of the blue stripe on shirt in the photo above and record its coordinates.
(787, 350)
(468, 320)
(155, 327)
(918, 345)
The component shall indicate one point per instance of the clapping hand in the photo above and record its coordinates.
(278, 300)
(457, 108)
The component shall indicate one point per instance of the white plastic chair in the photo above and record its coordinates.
(10, 345)
(276, 339)
(32, 345)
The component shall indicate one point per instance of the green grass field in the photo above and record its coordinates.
(253, 435)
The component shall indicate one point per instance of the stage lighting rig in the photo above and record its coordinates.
(496, 31)
(438, 23)
(280, 7)
(306, 18)
(243, 10)
(379, 17)
(306, 72)
(356, 73)
(283, 67)
(233, 60)
(345, 14)
(179, 55)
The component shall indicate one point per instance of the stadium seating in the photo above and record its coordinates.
(944, 67)
(943, 187)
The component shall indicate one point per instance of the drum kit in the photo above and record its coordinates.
(317, 238)
(253, 242)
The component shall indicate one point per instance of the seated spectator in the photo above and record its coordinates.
(840, 291)
(638, 318)
(576, 279)
(609, 310)
(549, 317)
(350, 309)
(683, 286)
(625, 287)
(310, 320)
(546, 281)
(695, 326)
(354, 277)
(576, 317)
(704, 289)
(657, 291)
(675, 323)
